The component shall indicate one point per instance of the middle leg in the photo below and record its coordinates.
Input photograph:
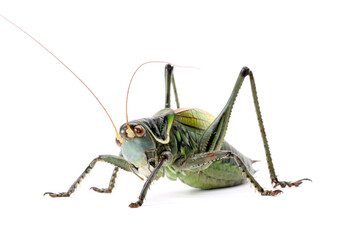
(198, 162)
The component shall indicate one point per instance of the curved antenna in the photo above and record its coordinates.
(117, 134)
(129, 131)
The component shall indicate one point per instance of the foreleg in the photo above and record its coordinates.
(111, 183)
(115, 160)
(163, 157)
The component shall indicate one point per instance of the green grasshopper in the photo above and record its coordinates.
(185, 143)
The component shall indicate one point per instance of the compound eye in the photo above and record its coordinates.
(139, 131)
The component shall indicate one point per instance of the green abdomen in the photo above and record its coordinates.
(223, 173)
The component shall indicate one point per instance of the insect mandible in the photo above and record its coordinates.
(185, 143)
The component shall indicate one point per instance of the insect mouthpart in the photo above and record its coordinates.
(134, 167)
(152, 162)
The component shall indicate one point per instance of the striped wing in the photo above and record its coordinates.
(194, 118)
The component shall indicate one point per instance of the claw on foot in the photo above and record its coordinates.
(289, 184)
(101, 190)
(136, 204)
(54, 195)
(271, 193)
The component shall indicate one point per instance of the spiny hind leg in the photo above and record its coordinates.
(283, 184)
(115, 160)
(111, 183)
(169, 79)
(198, 161)
(213, 137)
(274, 179)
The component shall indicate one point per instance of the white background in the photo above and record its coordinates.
(305, 58)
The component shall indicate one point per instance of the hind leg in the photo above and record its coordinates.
(274, 179)
(169, 79)
(214, 135)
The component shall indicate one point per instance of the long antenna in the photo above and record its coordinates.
(117, 134)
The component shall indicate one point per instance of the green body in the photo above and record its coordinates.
(186, 144)
(185, 135)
